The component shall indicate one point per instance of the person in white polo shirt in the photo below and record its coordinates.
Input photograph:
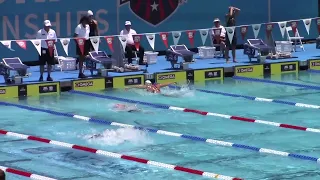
(128, 32)
(45, 58)
(83, 31)
(222, 42)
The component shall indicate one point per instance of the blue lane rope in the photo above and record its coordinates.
(277, 82)
(314, 71)
(194, 138)
(252, 98)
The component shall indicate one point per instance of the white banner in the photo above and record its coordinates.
(123, 41)
(37, 45)
(176, 37)
(256, 30)
(282, 26)
(151, 39)
(95, 41)
(307, 24)
(204, 35)
(65, 44)
(7, 44)
(230, 31)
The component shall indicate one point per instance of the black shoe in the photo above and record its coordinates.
(49, 78)
(41, 79)
(81, 75)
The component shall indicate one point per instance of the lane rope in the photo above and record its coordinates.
(204, 113)
(174, 134)
(313, 71)
(260, 99)
(276, 82)
(118, 156)
(24, 173)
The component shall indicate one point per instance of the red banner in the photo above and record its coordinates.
(109, 40)
(244, 30)
(217, 33)
(22, 44)
(164, 37)
(191, 37)
(136, 40)
(81, 42)
(269, 28)
(294, 26)
(50, 44)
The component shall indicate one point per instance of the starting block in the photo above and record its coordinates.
(258, 45)
(13, 70)
(177, 51)
(98, 58)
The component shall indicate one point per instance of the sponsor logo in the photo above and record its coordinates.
(204, 33)
(123, 39)
(109, 40)
(288, 67)
(65, 42)
(150, 37)
(109, 82)
(243, 29)
(245, 70)
(176, 35)
(3, 91)
(230, 31)
(160, 10)
(95, 40)
(132, 81)
(22, 90)
(315, 63)
(47, 88)
(168, 76)
(190, 34)
(256, 27)
(84, 84)
(80, 42)
(212, 74)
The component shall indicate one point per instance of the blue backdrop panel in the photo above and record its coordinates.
(21, 19)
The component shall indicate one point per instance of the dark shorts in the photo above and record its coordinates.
(233, 43)
(45, 57)
(87, 48)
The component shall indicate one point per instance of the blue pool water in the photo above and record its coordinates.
(62, 163)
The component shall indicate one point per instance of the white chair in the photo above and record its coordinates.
(296, 39)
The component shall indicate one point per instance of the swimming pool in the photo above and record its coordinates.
(237, 161)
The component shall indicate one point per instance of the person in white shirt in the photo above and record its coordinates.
(128, 32)
(222, 39)
(83, 31)
(45, 58)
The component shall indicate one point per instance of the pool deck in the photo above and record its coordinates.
(66, 77)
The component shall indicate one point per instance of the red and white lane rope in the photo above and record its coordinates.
(24, 173)
(119, 156)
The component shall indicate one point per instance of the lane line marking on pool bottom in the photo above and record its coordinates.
(277, 82)
(174, 134)
(24, 173)
(260, 99)
(204, 113)
(118, 156)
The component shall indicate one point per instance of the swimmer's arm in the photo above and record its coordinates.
(137, 86)
(165, 84)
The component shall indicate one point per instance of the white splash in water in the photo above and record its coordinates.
(119, 136)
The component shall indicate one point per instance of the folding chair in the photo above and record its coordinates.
(296, 39)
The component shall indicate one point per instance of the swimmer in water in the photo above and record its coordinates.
(153, 88)
(128, 108)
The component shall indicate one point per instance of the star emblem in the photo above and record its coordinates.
(154, 6)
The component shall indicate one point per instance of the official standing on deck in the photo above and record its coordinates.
(83, 31)
(45, 58)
